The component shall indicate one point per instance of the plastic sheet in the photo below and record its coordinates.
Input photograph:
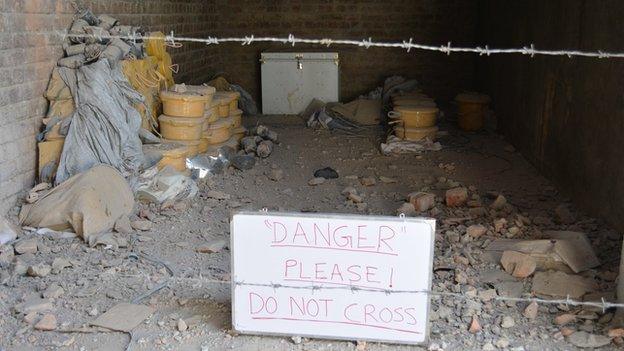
(202, 166)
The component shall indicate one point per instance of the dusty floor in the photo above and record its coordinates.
(101, 277)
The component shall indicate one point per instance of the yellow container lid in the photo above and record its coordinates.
(220, 124)
(224, 97)
(180, 121)
(416, 109)
(186, 97)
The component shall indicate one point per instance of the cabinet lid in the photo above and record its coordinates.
(293, 56)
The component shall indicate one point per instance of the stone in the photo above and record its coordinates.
(316, 181)
(122, 225)
(500, 224)
(53, 291)
(180, 206)
(327, 173)
(559, 284)
(296, 339)
(563, 215)
(47, 322)
(142, 225)
(34, 304)
(487, 295)
(368, 181)
(518, 264)
(422, 201)
(456, 197)
(59, 264)
(530, 311)
(8, 231)
(476, 230)
(26, 246)
(217, 195)
(387, 180)
(475, 327)
(275, 174)
(564, 319)
(348, 190)
(586, 340)
(123, 317)
(406, 209)
(502, 343)
(499, 203)
(39, 270)
(360, 345)
(212, 246)
(507, 322)
(616, 333)
(567, 331)
(355, 198)
(31, 317)
(182, 325)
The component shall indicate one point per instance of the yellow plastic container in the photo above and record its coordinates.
(207, 91)
(183, 104)
(239, 133)
(416, 134)
(471, 110)
(190, 147)
(417, 101)
(237, 118)
(223, 103)
(50, 151)
(413, 116)
(235, 96)
(180, 128)
(212, 115)
(204, 144)
(175, 158)
(218, 132)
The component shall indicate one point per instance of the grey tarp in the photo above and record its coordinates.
(105, 125)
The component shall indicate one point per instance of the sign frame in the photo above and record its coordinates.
(431, 222)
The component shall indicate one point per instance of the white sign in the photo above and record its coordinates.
(370, 275)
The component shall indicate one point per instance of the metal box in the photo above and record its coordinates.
(290, 80)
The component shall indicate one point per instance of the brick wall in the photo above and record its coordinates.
(29, 49)
(426, 21)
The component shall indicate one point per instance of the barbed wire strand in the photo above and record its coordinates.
(603, 304)
(174, 41)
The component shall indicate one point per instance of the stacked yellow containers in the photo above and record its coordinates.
(414, 117)
(220, 131)
(184, 116)
(471, 110)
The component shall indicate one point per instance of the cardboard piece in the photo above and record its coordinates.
(123, 317)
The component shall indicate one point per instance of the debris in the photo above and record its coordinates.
(565, 318)
(456, 197)
(213, 246)
(585, 339)
(265, 148)
(89, 203)
(530, 311)
(487, 295)
(53, 291)
(499, 203)
(395, 145)
(360, 345)
(387, 180)
(475, 327)
(275, 174)
(243, 162)
(368, 181)
(182, 325)
(47, 322)
(355, 198)
(123, 317)
(327, 173)
(59, 263)
(296, 339)
(554, 283)
(316, 181)
(28, 246)
(518, 264)
(217, 195)
(34, 303)
(166, 184)
(476, 230)
(406, 209)
(421, 201)
(500, 224)
(8, 231)
(141, 224)
(507, 322)
(616, 333)
(39, 270)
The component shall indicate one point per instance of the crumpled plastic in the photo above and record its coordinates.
(202, 166)
(395, 145)
(89, 203)
(105, 126)
(158, 186)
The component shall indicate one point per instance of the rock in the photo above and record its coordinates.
(487, 295)
(387, 180)
(213, 246)
(355, 198)
(275, 174)
(47, 322)
(475, 327)
(59, 264)
(587, 340)
(218, 195)
(567, 331)
(53, 291)
(563, 215)
(422, 201)
(530, 311)
(502, 343)
(8, 231)
(499, 203)
(93, 311)
(316, 181)
(265, 148)
(26, 246)
(31, 317)
(500, 224)
(34, 304)
(564, 319)
(555, 283)
(182, 325)
(123, 317)
(360, 345)
(296, 339)
(122, 225)
(406, 209)
(180, 206)
(141, 224)
(327, 173)
(616, 333)
(456, 197)
(243, 162)
(476, 230)
(488, 347)
(7, 253)
(368, 181)
(507, 322)
(518, 264)
(39, 270)
(348, 190)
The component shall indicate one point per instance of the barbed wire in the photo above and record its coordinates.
(603, 304)
(407, 45)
